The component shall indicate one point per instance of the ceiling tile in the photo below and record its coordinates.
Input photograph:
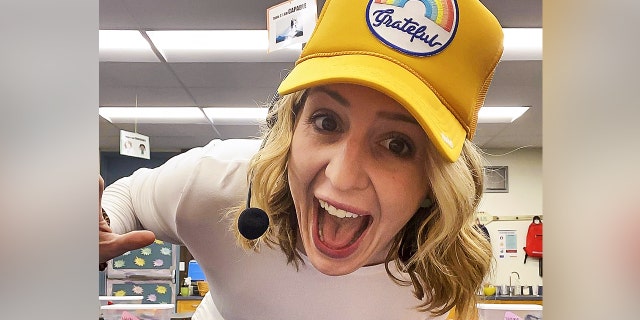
(137, 74)
(516, 13)
(111, 96)
(232, 97)
(232, 75)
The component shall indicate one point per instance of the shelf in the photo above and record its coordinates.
(486, 218)
(528, 218)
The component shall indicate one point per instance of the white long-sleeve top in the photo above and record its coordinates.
(183, 202)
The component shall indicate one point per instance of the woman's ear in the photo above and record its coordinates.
(426, 203)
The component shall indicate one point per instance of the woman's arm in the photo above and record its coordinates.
(113, 244)
(149, 198)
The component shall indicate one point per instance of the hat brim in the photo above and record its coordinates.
(444, 130)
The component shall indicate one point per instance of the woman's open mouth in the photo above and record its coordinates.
(338, 232)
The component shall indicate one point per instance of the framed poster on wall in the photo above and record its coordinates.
(507, 243)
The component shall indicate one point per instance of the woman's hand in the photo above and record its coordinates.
(111, 244)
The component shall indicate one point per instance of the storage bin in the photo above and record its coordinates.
(489, 311)
(154, 291)
(139, 311)
(195, 272)
(105, 300)
(203, 288)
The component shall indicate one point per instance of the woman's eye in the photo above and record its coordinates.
(325, 122)
(398, 146)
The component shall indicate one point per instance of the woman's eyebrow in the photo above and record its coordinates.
(383, 114)
(398, 117)
(333, 94)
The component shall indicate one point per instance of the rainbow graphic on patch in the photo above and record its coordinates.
(439, 11)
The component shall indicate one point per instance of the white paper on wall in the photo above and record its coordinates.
(134, 145)
(507, 243)
(291, 22)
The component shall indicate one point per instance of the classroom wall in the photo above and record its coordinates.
(524, 198)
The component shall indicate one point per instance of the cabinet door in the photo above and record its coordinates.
(187, 305)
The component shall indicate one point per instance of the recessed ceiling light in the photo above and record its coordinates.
(500, 114)
(522, 44)
(236, 116)
(124, 46)
(249, 116)
(152, 114)
(219, 46)
(252, 46)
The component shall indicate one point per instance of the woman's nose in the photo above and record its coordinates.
(347, 167)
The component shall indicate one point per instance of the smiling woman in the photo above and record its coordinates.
(354, 168)
(365, 172)
(361, 156)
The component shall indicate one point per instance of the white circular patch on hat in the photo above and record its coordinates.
(415, 27)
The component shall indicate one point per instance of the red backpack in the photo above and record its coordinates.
(533, 246)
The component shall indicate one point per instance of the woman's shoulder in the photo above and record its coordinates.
(218, 171)
(231, 149)
(217, 155)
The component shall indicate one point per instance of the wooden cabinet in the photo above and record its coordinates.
(538, 302)
(512, 300)
(452, 313)
(187, 305)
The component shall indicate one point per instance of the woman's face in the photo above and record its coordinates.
(357, 173)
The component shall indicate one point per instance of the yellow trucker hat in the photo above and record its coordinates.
(435, 57)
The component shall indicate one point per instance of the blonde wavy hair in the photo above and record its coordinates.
(445, 257)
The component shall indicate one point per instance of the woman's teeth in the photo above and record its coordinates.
(336, 212)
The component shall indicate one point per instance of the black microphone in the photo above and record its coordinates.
(252, 222)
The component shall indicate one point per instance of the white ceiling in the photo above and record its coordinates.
(242, 84)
